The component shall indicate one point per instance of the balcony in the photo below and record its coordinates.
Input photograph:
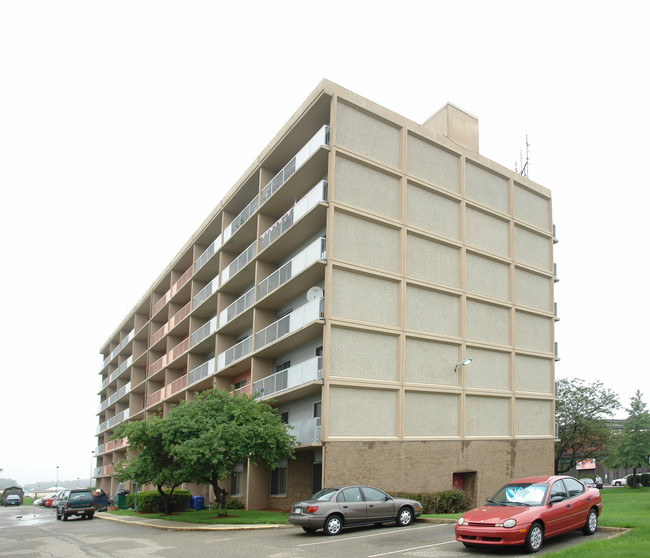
(203, 332)
(164, 299)
(129, 337)
(176, 386)
(205, 293)
(239, 262)
(179, 350)
(237, 351)
(180, 315)
(158, 365)
(119, 393)
(238, 221)
(121, 369)
(155, 397)
(316, 195)
(300, 317)
(159, 334)
(306, 431)
(240, 305)
(207, 254)
(200, 372)
(303, 373)
(182, 281)
(320, 138)
(312, 253)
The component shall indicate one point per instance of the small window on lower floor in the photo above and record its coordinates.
(279, 479)
(236, 480)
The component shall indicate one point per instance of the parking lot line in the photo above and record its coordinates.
(391, 532)
(409, 549)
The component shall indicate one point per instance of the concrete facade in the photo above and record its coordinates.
(354, 264)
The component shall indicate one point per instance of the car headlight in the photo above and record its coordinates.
(461, 521)
(508, 523)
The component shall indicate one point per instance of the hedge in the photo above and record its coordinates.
(447, 501)
(150, 501)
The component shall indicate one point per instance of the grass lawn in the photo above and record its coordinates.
(622, 507)
(209, 517)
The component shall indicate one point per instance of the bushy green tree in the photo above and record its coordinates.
(216, 430)
(580, 411)
(631, 447)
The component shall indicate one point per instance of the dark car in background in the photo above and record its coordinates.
(12, 500)
(80, 502)
(332, 509)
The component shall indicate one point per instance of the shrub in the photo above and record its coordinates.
(447, 501)
(150, 501)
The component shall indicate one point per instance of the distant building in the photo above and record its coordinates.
(346, 275)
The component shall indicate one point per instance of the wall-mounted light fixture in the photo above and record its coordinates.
(463, 362)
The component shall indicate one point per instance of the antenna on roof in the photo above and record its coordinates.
(524, 166)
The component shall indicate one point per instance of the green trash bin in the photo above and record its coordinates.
(120, 501)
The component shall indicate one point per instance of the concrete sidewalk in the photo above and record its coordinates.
(181, 526)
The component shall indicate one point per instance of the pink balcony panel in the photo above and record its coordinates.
(159, 305)
(177, 385)
(179, 349)
(182, 280)
(155, 397)
(159, 334)
(108, 469)
(158, 365)
(124, 442)
(182, 313)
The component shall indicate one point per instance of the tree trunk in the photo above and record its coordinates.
(167, 497)
(220, 496)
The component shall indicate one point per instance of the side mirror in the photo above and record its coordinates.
(554, 499)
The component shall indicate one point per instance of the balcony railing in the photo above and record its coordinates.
(237, 351)
(180, 315)
(320, 138)
(179, 350)
(205, 293)
(176, 386)
(206, 369)
(316, 195)
(237, 307)
(164, 299)
(159, 333)
(155, 397)
(182, 280)
(239, 262)
(297, 375)
(306, 431)
(207, 254)
(99, 450)
(203, 332)
(158, 365)
(241, 218)
(128, 362)
(300, 317)
(312, 253)
(119, 393)
(129, 337)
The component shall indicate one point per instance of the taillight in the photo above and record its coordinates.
(312, 509)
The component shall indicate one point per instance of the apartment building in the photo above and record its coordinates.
(346, 276)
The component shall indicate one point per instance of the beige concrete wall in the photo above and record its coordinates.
(433, 164)
(487, 322)
(354, 296)
(533, 332)
(362, 412)
(432, 261)
(428, 466)
(432, 311)
(431, 362)
(532, 249)
(534, 374)
(433, 212)
(362, 354)
(488, 370)
(532, 208)
(430, 414)
(366, 188)
(487, 416)
(487, 277)
(486, 187)
(533, 290)
(533, 417)
(365, 242)
(367, 135)
(486, 232)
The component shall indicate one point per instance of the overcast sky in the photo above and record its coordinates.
(120, 130)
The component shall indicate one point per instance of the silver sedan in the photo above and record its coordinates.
(332, 509)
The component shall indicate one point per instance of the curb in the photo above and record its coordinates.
(172, 526)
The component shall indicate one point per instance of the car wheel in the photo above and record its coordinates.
(333, 525)
(617, 484)
(58, 515)
(592, 523)
(64, 516)
(535, 538)
(91, 515)
(309, 529)
(404, 517)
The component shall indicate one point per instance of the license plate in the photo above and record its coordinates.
(297, 511)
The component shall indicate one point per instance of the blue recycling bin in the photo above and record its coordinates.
(196, 502)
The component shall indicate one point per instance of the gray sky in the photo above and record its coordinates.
(118, 118)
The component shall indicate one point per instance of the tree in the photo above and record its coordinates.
(580, 411)
(631, 446)
(216, 430)
(150, 458)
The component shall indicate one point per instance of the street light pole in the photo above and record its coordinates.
(90, 478)
(57, 477)
(463, 362)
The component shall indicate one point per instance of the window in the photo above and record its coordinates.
(285, 417)
(319, 351)
(279, 479)
(283, 366)
(317, 406)
(374, 495)
(240, 384)
(350, 495)
(236, 478)
(558, 489)
(574, 487)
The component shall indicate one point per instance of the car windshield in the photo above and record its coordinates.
(80, 495)
(527, 494)
(325, 494)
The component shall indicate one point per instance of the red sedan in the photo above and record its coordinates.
(526, 511)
